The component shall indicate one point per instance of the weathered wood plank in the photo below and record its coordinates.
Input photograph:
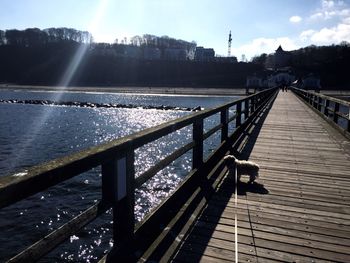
(304, 213)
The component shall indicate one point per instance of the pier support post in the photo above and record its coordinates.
(239, 114)
(246, 109)
(118, 190)
(348, 124)
(319, 104)
(336, 110)
(253, 102)
(326, 107)
(224, 122)
(197, 159)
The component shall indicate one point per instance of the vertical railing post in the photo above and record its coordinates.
(253, 101)
(246, 109)
(315, 101)
(311, 99)
(336, 110)
(224, 122)
(118, 190)
(198, 144)
(239, 114)
(258, 101)
(348, 128)
(326, 106)
(319, 104)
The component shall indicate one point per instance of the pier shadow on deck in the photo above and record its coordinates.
(299, 213)
(201, 236)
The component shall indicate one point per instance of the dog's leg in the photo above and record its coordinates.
(238, 177)
(252, 178)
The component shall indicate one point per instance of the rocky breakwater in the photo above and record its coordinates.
(97, 105)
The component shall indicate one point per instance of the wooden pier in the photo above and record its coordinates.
(297, 211)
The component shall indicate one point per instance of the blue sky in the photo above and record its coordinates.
(258, 26)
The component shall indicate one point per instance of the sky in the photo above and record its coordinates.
(257, 26)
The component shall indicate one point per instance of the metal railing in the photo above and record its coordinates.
(335, 110)
(118, 172)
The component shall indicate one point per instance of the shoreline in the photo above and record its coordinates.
(131, 90)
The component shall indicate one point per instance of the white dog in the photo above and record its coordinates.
(243, 168)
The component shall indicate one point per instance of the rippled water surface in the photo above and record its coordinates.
(32, 134)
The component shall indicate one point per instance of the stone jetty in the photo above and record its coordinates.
(98, 105)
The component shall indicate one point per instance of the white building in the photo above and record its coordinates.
(281, 78)
(263, 80)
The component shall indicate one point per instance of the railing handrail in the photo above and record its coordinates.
(82, 161)
(321, 103)
(323, 96)
(117, 161)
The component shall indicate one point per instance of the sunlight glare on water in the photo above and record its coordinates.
(68, 130)
(63, 83)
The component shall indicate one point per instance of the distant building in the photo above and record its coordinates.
(281, 58)
(204, 54)
(151, 53)
(270, 79)
(280, 77)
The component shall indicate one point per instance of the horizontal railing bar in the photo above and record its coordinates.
(330, 109)
(212, 131)
(140, 180)
(331, 114)
(156, 216)
(342, 115)
(14, 188)
(42, 176)
(326, 97)
(232, 118)
(49, 242)
(63, 168)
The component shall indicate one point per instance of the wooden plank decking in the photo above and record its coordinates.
(299, 210)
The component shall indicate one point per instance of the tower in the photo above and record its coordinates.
(229, 45)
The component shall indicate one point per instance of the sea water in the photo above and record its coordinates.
(33, 134)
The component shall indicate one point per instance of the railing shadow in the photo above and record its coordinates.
(197, 240)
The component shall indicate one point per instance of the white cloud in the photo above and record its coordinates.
(295, 19)
(346, 20)
(344, 12)
(305, 35)
(264, 45)
(327, 4)
(316, 15)
(326, 36)
(331, 9)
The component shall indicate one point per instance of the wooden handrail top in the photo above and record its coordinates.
(340, 101)
(117, 161)
(333, 114)
(58, 170)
